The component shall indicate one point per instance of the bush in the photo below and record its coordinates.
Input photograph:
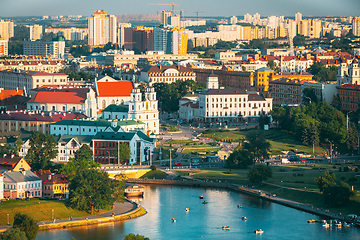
(346, 169)
(153, 167)
(334, 167)
(352, 179)
(343, 178)
(340, 169)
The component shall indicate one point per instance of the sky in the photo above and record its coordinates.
(226, 8)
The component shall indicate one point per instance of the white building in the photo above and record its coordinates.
(111, 91)
(102, 28)
(17, 79)
(348, 73)
(82, 100)
(228, 106)
(145, 110)
(166, 74)
(1, 186)
(35, 32)
(323, 91)
(22, 184)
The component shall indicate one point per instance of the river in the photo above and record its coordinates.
(205, 221)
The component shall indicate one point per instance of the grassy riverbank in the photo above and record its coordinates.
(294, 182)
(39, 210)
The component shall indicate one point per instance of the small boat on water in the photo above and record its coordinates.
(226, 227)
(311, 221)
(204, 202)
(173, 220)
(186, 209)
(326, 225)
(258, 231)
(201, 197)
(239, 206)
(244, 218)
(134, 191)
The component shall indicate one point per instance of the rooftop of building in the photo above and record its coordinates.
(224, 91)
(31, 73)
(38, 116)
(121, 136)
(114, 89)
(255, 97)
(9, 93)
(287, 81)
(159, 69)
(21, 176)
(116, 108)
(67, 95)
(349, 86)
(53, 179)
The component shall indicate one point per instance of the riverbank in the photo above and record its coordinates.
(121, 211)
(249, 191)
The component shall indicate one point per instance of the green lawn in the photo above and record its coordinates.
(209, 151)
(284, 176)
(279, 140)
(39, 210)
(183, 141)
(157, 174)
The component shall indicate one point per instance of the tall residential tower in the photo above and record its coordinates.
(102, 28)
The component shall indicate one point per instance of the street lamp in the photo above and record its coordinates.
(52, 214)
(347, 120)
(8, 219)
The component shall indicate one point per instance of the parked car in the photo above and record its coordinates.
(178, 164)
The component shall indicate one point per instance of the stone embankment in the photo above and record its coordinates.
(249, 191)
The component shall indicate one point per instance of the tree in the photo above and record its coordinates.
(190, 45)
(309, 95)
(83, 160)
(271, 64)
(91, 189)
(239, 159)
(132, 236)
(26, 224)
(259, 173)
(352, 137)
(13, 234)
(264, 119)
(124, 152)
(43, 148)
(338, 195)
(325, 181)
(257, 146)
(322, 73)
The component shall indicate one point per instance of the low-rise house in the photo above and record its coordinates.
(12, 163)
(54, 185)
(22, 184)
(104, 145)
(166, 74)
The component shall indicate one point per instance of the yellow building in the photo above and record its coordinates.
(13, 163)
(314, 28)
(6, 29)
(3, 47)
(261, 78)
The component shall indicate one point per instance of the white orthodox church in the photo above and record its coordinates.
(138, 108)
(348, 73)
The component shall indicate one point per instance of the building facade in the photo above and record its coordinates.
(22, 184)
(4, 50)
(102, 28)
(349, 97)
(166, 74)
(52, 49)
(285, 92)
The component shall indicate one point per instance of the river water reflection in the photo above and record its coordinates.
(205, 221)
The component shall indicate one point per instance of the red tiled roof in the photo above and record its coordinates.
(56, 178)
(38, 117)
(114, 89)
(9, 93)
(350, 86)
(58, 97)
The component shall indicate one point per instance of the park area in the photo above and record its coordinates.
(294, 182)
(279, 140)
(39, 210)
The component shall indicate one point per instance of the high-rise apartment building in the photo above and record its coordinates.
(233, 20)
(170, 40)
(53, 49)
(298, 17)
(35, 32)
(314, 28)
(102, 28)
(6, 29)
(3, 47)
(356, 26)
(164, 17)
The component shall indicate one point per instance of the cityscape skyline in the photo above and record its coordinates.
(229, 8)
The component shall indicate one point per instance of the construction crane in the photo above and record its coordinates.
(197, 13)
(181, 12)
(166, 4)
